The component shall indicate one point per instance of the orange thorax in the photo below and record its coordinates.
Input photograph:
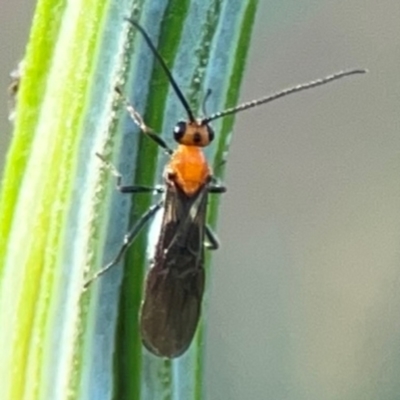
(189, 168)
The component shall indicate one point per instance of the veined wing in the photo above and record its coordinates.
(175, 283)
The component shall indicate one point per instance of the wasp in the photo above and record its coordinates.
(174, 286)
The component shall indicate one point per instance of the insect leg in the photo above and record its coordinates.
(212, 240)
(125, 188)
(217, 189)
(138, 120)
(128, 240)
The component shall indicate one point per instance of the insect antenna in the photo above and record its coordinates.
(165, 68)
(283, 93)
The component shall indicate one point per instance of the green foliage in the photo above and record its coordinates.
(60, 215)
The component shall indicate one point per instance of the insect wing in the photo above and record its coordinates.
(175, 283)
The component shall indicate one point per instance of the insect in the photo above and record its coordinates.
(174, 285)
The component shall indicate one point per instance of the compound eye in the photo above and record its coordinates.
(179, 131)
(211, 133)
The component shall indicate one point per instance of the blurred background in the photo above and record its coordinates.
(15, 22)
(304, 297)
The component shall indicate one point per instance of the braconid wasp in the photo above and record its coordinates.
(175, 282)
